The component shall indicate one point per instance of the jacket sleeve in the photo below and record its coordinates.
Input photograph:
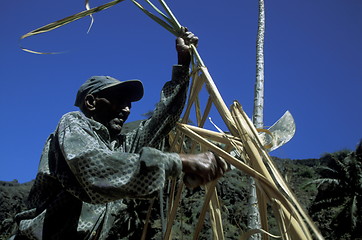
(165, 115)
(106, 175)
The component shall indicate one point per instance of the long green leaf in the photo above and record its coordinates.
(169, 12)
(156, 19)
(161, 13)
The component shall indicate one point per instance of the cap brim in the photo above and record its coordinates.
(133, 89)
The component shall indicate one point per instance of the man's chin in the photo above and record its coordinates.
(115, 129)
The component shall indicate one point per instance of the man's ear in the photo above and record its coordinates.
(90, 102)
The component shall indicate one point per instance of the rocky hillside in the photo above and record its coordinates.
(232, 189)
(12, 200)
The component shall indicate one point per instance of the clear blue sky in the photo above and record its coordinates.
(313, 58)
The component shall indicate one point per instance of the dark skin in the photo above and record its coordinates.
(112, 111)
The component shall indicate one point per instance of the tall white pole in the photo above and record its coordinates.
(258, 121)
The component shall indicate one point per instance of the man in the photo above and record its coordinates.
(87, 166)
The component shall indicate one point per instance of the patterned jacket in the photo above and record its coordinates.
(83, 175)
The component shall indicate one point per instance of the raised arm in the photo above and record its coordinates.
(172, 100)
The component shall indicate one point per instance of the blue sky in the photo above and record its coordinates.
(313, 58)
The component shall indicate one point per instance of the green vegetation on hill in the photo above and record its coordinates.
(330, 189)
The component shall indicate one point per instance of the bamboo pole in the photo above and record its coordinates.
(262, 204)
(280, 179)
(216, 216)
(252, 151)
(205, 206)
(173, 211)
(145, 227)
(269, 188)
(213, 136)
(218, 101)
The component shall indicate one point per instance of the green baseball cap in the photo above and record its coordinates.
(132, 88)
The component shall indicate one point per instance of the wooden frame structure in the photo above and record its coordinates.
(294, 223)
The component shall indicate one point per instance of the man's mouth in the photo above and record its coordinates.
(122, 118)
(118, 121)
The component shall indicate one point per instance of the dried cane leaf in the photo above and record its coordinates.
(69, 19)
(87, 6)
(64, 21)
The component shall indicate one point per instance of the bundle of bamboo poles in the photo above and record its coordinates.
(293, 222)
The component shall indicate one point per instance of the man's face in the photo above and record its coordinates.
(112, 112)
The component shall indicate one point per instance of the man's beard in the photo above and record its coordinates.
(115, 126)
(112, 121)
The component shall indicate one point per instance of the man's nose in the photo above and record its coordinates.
(126, 109)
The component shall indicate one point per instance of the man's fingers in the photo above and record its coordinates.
(181, 47)
(180, 41)
(202, 168)
(184, 29)
(188, 36)
(222, 163)
(191, 39)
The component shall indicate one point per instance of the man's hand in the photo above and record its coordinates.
(202, 168)
(183, 46)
